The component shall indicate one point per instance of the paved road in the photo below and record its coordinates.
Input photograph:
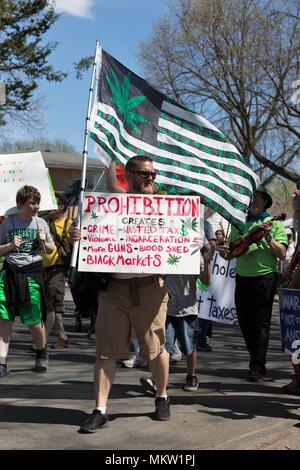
(44, 411)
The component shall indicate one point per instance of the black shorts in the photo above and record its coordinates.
(55, 288)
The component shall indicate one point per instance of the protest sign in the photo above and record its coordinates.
(289, 307)
(217, 303)
(19, 169)
(140, 233)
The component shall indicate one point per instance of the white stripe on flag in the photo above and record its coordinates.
(188, 116)
(208, 142)
(236, 213)
(203, 155)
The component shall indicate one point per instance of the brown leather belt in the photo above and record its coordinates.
(133, 285)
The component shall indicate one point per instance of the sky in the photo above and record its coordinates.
(119, 25)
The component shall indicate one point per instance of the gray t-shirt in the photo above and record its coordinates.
(182, 294)
(30, 251)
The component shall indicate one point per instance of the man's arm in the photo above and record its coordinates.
(205, 275)
(278, 249)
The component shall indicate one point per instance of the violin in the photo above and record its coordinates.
(239, 246)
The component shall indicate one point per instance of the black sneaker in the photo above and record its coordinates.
(3, 370)
(256, 374)
(41, 361)
(191, 383)
(162, 409)
(94, 422)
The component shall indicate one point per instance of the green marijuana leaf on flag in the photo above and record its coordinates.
(124, 104)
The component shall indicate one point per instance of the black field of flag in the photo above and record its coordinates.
(190, 154)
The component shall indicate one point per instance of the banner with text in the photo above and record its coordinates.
(217, 303)
(19, 169)
(140, 233)
(289, 307)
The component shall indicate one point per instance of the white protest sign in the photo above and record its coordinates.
(19, 169)
(217, 303)
(140, 233)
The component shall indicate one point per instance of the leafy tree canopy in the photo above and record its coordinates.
(23, 53)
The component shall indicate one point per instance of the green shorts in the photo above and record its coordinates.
(31, 315)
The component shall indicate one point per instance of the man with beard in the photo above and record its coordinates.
(131, 300)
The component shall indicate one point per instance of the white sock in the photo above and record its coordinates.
(102, 409)
(165, 396)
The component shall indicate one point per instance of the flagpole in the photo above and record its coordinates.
(84, 162)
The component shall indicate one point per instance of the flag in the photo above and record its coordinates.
(190, 154)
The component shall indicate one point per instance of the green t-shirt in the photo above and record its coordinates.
(259, 259)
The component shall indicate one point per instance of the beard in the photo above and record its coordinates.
(143, 187)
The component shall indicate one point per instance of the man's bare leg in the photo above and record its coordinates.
(104, 374)
(159, 368)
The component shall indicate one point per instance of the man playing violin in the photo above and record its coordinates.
(256, 278)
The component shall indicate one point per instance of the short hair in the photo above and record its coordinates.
(26, 193)
(132, 163)
(61, 200)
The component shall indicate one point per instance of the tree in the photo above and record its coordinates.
(23, 54)
(234, 61)
(57, 145)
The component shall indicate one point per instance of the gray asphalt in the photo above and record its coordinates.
(44, 411)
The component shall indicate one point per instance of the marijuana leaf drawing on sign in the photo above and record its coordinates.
(173, 260)
(189, 224)
(124, 104)
(94, 216)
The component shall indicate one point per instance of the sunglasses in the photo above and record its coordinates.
(145, 174)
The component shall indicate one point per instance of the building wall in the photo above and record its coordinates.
(62, 178)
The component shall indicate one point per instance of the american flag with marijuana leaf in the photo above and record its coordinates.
(190, 154)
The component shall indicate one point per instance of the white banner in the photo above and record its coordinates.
(217, 303)
(19, 169)
(140, 233)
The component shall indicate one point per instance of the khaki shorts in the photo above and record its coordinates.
(118, 312)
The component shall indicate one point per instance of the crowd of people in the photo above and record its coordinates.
(141, 316)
